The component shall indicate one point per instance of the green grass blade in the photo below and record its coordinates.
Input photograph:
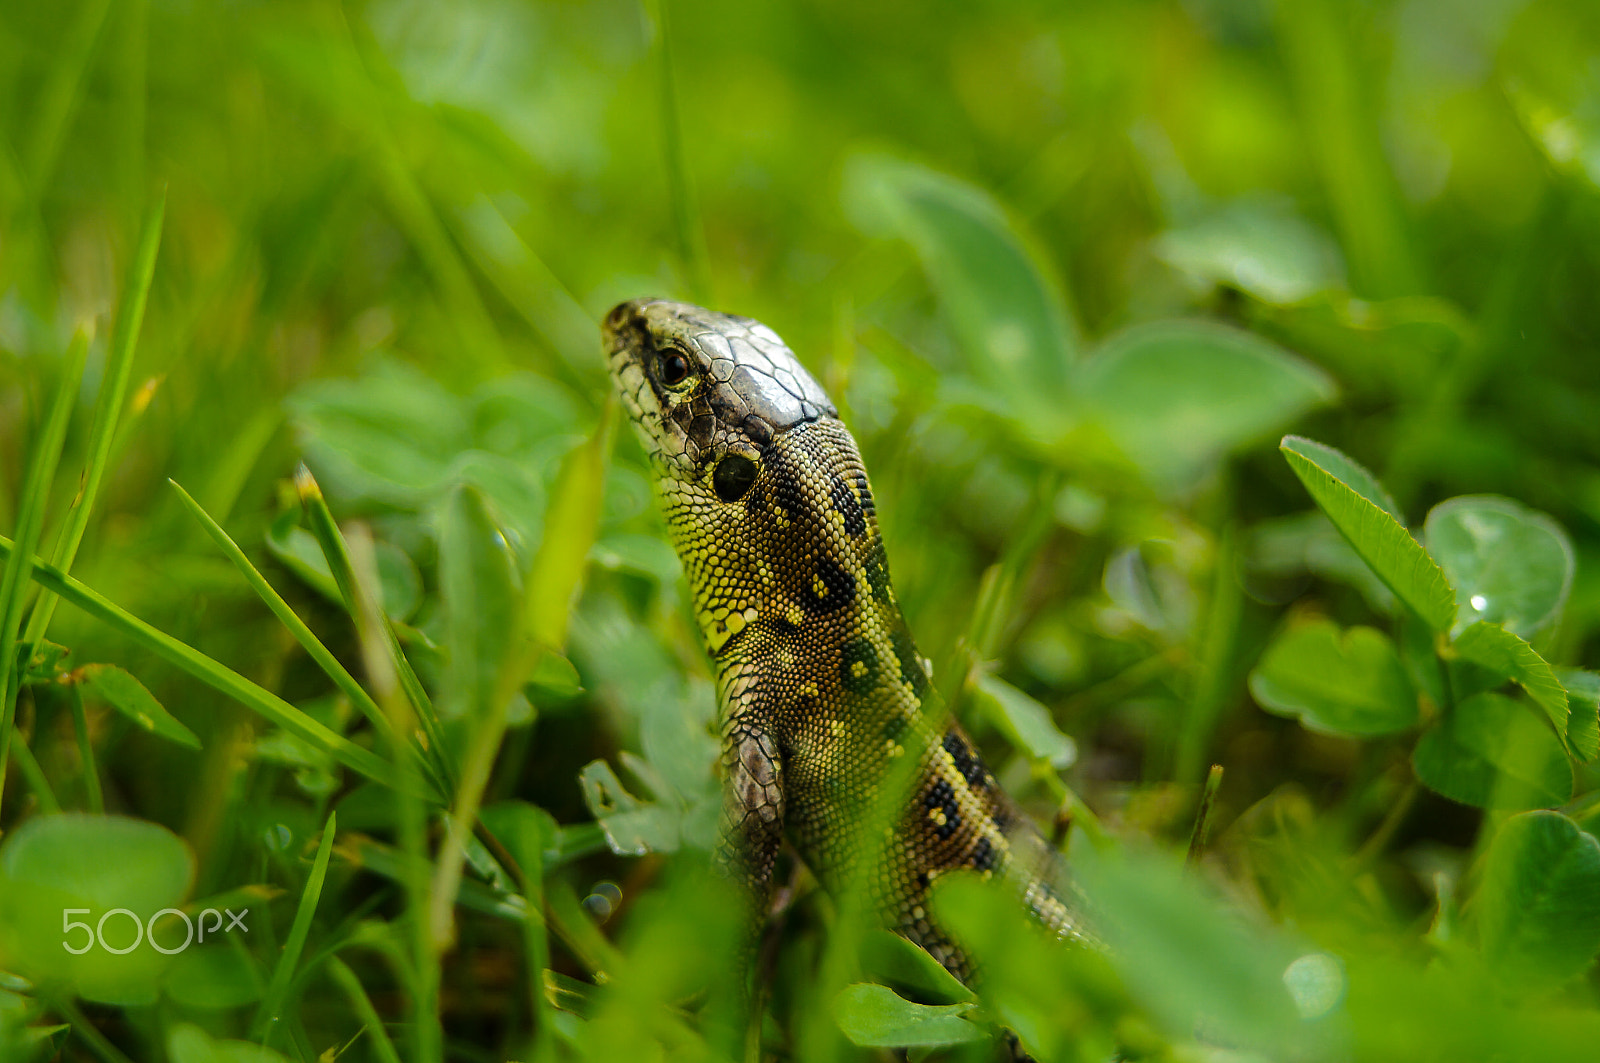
(337, 554)
(528, 284)
(350, 82)
(563, 916)
(91, 774)
(35, 777)
(424, 976)
(488, 659)
(218, 676)
(526, 837)
(571, 523)
(1336, 107)
(267, 1017)
(30, 522)
(692, 251)
(313, 646)
(361, 1004)
(108, 407)
(52, 112)
(479, 595)
(88, 1031)
(570, 528)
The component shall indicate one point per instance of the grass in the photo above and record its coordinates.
(1069, 273)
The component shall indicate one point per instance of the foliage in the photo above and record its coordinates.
(431, 710)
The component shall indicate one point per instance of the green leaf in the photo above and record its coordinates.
(389, 437)
(1189, 957)
(19, 1042)
(1145, 582)
(1420, 654)
(888, 957)
(513, 487)
(1367, 519)
(298, 551)
(515, 415)
(1394, 346)
(522, 827)
(1026, 723)
(555, 675)
(1052, 996)
(1498, 650)
(1583, 716)
(1258, 246)
(1008, 317)
(47, 663)
(1510, 565)
(1308, 542)
(127, 695)
(633, 827)
(1176, 396)
(874, 1016)
(1538, 906)
(1489, 752)
(190, 1044)
(1344, 683)
(120, 870)
(481, 595)
(1346, 470)
(645, 555)
(213, 978)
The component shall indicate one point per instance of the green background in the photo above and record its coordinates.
(1068, 270)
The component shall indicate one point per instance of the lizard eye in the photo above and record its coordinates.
(672, 368)
(733, 476)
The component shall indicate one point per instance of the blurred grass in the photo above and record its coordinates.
(389, 230)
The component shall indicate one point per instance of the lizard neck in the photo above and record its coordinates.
(793, 578)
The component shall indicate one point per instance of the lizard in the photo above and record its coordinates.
(821, 685)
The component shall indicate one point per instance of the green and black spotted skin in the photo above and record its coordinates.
(822, 687)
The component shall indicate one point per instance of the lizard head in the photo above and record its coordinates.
(761, 485)
(707, 392)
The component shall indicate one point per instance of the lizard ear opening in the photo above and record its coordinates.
(733, 476)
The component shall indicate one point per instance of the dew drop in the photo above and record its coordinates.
(1479, 602)
(603, 900)
(1316, 982)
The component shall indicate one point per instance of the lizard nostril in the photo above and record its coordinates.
(620, 313)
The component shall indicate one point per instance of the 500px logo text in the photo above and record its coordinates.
(96, 934)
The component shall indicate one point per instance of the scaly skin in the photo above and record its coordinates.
(822, 688)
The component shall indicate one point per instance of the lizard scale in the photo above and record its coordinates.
(821, 685)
